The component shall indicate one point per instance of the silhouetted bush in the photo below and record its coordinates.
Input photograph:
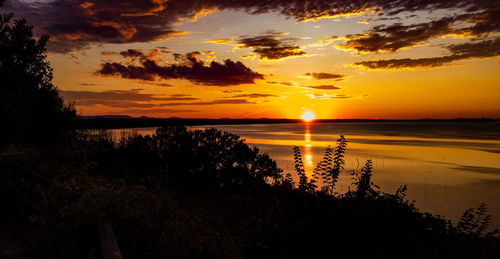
(192, 161)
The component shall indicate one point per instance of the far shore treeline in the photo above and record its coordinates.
(124, 121)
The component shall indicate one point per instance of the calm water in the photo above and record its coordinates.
(447, 167)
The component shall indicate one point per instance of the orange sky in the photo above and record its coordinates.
(376, 60)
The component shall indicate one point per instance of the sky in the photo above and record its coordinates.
(365, 59)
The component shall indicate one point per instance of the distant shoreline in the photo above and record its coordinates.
(123, 121)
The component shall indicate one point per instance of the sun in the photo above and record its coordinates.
(308, 116)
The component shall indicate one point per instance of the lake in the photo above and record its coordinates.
(447, 167)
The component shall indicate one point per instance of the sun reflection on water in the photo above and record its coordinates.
(308, 154)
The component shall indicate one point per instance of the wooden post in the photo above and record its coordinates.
(109, 246)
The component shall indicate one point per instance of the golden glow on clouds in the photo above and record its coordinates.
(326, 15)
(393, 93)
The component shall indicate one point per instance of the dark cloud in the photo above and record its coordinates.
(120, 98)
(223, 101)
(271, 46)
(342, 96)
(75, 24)
(281, 83)
(214, 102)
(254, 95)
(394, 37)
(323, 87)
(87, 84)
(77, 56)
(292, 84)
(395, 18)
(391, 38)
(164, 49)
(134, 98)
(322, 75)
(157, 84)
(483, 49)
(150, 111)
(191, 68)
(132, 53)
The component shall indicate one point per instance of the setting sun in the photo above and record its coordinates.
(308, 116)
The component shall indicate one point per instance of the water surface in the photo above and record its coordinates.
(448, 167)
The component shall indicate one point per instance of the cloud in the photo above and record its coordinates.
(120, 98)
(190, 67)
(286, 83)
(324, 41)
(157, 84)
(476, 50)
(391, 38)
(132, 53)
(322, 75)
(150, 111)
(221, 41)
(137, 53)
(134, 99)
(216, 102)
(77, 56)
(323, 87)
(271, 46)
(108, 53)
(180, 95)
(232, 91)
(254, 95)
(327, 96)
(293, 84)
(76, 24)
(164, 49)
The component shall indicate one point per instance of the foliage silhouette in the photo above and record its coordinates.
(329, 168)
(363, 182)
(32, 111)
(162, 203)
(189, 161)
(299, 168)
(475, 221)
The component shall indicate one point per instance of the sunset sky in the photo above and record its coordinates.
(387, 59)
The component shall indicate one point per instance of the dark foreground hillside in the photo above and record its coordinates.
(206, 194)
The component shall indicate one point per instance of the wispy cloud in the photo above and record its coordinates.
(323, 87)
(327, 96)
(285, 83)
(254, 95)
(121, 98)
(474, 50)
(156, 111)
(391, 38)
(271, 46)
(323, 75)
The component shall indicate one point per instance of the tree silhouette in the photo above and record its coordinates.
(32, 110)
